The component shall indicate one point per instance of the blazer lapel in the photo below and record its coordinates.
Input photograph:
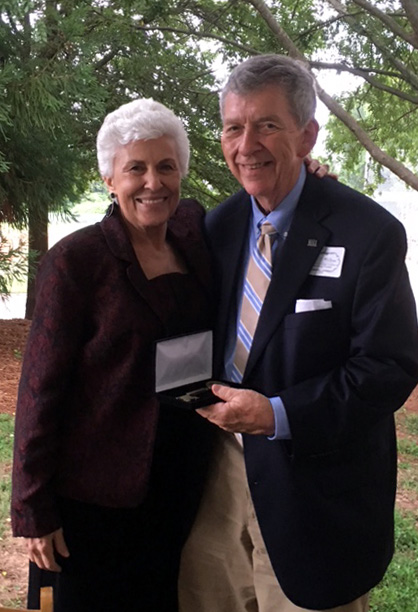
(120, 245)
(231, 244)
(306, 238)
(187, 241)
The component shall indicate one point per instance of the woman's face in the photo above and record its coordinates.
(146, 181)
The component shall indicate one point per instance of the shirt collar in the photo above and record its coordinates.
(281, 216)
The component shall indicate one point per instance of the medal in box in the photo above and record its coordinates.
(183, 370)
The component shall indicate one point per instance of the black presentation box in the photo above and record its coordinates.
(183, 370)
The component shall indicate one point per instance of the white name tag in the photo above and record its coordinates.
(329, 262)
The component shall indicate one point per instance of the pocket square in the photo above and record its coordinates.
(309, 305)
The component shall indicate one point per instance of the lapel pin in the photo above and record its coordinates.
(312, 242)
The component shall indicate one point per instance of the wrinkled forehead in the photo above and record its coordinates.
(263, 104)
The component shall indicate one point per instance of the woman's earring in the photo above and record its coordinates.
(113, 202)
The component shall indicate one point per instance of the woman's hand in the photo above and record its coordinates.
(320, 170)
(42, 550)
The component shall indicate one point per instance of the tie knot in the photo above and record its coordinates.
(267, 229)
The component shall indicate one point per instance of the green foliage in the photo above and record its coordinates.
(349, 40)
(65, 65)
(13, 264)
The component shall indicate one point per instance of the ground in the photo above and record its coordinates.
(13, 559)
(13, 564)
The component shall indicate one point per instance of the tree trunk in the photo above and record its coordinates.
(38, 246)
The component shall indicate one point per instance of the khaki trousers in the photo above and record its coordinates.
(225, 566)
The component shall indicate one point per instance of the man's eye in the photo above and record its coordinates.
(231, 129)
(265, 128)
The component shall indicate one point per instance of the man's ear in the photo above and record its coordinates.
(308, 137)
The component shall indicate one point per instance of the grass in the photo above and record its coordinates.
(6, 450)
(411, 424)
(6, 438)
(408, 447)
(398, 591)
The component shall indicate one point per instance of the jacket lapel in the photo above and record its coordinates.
(231, 244)
(188, 242)
(307, 236)
(120, 245)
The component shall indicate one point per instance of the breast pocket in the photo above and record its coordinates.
(314, 343)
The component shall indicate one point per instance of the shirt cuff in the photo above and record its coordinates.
(281, 422)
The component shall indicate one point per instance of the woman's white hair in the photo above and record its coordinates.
(142, 119)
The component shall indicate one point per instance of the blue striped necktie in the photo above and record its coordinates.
(256, 283)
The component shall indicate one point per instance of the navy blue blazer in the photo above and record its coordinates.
(325, 498)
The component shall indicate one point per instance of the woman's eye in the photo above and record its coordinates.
(168, 168)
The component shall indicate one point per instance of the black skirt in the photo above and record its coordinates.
(129, 558)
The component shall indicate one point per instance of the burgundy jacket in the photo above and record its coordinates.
(87, 412)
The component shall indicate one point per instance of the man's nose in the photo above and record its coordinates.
(152, 179)
(249, 141)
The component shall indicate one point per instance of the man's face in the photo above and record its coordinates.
(263, 145)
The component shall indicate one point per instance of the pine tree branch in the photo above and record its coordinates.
(198, 34)
(389, 22)
(106, 58)
(336, 109)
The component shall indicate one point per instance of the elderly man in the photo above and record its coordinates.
(317, 323)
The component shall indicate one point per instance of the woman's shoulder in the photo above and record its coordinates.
(189, 215)
(79, 249)
(80, 239)
(188, 208)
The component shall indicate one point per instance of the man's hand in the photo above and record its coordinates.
(320, 170)
(41, 550)
(241, 411)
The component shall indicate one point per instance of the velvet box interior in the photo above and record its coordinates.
(183, 370)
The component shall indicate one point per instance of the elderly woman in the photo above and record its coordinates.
(105, 480)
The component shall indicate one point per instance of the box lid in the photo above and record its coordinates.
(183, 360)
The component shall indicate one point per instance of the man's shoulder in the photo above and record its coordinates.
(342, 200)
(230, 206)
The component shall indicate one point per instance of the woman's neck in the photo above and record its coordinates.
(156, 256)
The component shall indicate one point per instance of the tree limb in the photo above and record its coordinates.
(364, 74)
(391, 23)
(411, 9)
(409, 76)
(336, 109)
(375, 151)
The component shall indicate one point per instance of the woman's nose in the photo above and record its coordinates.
(152, 180)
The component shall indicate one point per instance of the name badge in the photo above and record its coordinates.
(329, 262)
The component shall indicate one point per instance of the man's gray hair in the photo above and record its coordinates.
(142, 119)
(290, 75)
